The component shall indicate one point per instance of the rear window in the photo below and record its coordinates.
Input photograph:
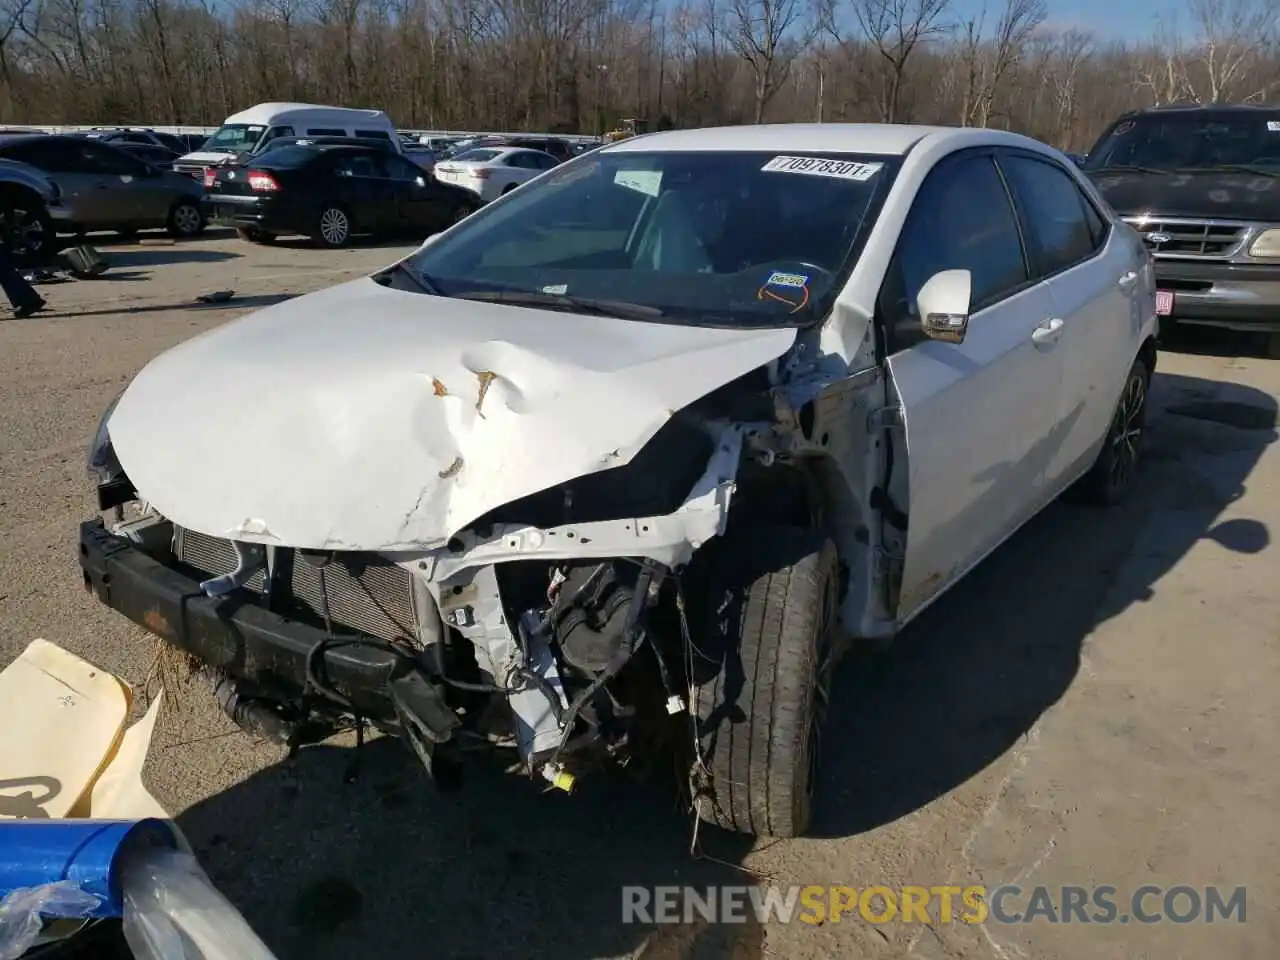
(287, 156)
(325, 132)
(1191, 140)
(477, 156)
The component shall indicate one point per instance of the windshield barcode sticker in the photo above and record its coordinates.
(819, 167)
(1273, 126)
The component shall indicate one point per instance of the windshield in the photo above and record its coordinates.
(730, 239)
(1191, 140)
(235, 137)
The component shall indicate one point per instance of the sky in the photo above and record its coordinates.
(1131, 20)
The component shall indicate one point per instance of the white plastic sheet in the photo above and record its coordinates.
(172, 911)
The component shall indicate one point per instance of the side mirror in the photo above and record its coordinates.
(943, 305)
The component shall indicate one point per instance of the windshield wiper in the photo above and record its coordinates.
(1262, 171)
(1126, 168)
(418, 280)
(621, 309)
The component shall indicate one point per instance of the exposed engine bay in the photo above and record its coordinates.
(568, 626)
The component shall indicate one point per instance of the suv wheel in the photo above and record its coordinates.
(767, 647)
(186, 220)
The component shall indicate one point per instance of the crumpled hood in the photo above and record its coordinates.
(1227, 196)
(367, 418)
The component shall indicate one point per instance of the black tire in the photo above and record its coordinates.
(1112, 473)
(463, 211)
(254, 235)
(761, 691)
(333, 227)
(32, 236)
(186, 219)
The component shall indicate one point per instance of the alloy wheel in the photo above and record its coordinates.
(1126, 431)
(334, 227)
(186, 219)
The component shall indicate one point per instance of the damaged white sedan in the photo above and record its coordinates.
(628, 457)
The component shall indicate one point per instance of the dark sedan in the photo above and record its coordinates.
(331, 193)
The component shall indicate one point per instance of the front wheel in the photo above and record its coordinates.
(333, 228)
(1112, 473)
(34, 236)
(761, 690)
(186, 220)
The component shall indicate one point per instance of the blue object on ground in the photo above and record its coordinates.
(85, 852)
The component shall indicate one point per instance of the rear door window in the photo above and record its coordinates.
(373, 135)
(1054, 214)
(325, 132)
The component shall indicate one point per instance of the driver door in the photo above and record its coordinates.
(977, 414)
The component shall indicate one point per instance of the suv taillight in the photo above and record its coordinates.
(210, 175)
(261, 182)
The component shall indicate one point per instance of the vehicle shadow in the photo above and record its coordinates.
(234, 303)
(969, 678)
(1215, 341)
(357, 243)
(384, 865)
(162, 256)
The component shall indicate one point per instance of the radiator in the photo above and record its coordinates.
(367, 593)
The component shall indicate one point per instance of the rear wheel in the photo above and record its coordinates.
(767, 663)
(333, 227)
(1112, 473)
(186, 220)
(463, 211)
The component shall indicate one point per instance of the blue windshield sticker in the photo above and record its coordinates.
(823, 167)
(779, 279)
(791, 289)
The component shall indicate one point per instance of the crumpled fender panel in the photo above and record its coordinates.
(367, 418)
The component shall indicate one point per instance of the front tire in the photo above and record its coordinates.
(1112, 473)
(333, 228)
(767, 645)
(186, 220)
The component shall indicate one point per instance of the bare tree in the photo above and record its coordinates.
(895, 29)
(768, 35)
(989, 61)
(1234, 35)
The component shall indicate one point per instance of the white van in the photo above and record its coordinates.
(248, 131)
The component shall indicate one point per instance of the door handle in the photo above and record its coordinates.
(1127, 280)
(1048, 332)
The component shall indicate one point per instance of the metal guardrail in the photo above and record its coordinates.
(206, 131)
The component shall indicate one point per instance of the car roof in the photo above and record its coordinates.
(885, 139)
(267, 113)
(8, 138)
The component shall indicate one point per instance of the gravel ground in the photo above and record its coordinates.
(1095, 704)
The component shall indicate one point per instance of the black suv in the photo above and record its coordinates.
(1202, 186)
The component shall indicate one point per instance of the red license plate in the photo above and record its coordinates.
(1164, 303)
